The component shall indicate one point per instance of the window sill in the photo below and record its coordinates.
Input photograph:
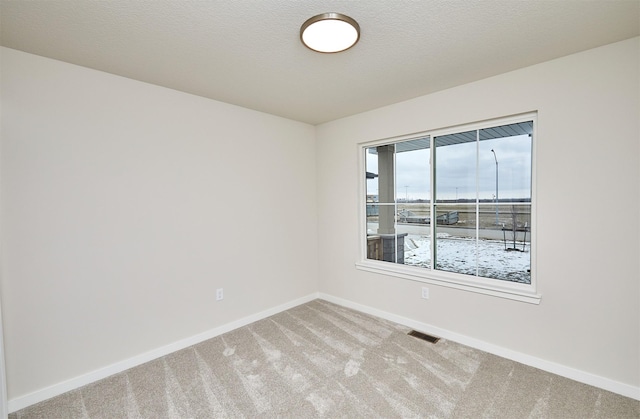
(509, 290)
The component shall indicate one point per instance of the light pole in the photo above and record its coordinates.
(496, 157)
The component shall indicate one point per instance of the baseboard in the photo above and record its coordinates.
(552, 367)
(77, 382)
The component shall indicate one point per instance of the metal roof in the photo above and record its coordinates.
(510, 130)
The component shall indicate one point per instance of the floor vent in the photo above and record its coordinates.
(424, 336)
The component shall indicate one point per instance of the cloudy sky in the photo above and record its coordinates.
(456, 170)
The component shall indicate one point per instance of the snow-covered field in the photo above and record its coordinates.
(458, 254)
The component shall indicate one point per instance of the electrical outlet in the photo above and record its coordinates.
(219, 294)
(425, 293)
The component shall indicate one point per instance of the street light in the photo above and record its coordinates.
(496, 157)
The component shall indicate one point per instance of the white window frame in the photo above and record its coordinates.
(499, 288)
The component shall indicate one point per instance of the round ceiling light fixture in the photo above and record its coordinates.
(330, 32)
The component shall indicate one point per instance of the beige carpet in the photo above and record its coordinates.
(323, 360)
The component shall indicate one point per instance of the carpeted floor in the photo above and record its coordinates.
(323, 360)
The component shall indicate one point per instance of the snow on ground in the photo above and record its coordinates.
(458, 254)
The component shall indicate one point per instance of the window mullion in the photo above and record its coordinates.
(477, 202)
(432, 200)
(395, 206)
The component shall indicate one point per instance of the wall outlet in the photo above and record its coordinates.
(425, 293)
(219, 294)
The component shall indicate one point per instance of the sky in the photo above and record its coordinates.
(456, 168)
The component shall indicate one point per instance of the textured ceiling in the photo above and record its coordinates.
(248, 52)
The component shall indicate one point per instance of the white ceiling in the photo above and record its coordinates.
(248, 52)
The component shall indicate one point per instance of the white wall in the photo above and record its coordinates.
(588, 210)
(125, 205)
(4, 409)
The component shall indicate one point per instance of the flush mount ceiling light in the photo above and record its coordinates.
(330, 32)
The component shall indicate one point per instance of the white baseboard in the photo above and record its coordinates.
(77, 382)
(552, 367)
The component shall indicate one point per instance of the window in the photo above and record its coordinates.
(454, 207)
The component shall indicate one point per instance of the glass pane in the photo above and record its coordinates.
(504, 155)
(414, 221)
(383, 241)
(413, 180)
(380, 173)
(456, 245)
(373, 211)
(376, 222)
(505, 251)
(371, 164)
(456, 167)
(374, 245)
